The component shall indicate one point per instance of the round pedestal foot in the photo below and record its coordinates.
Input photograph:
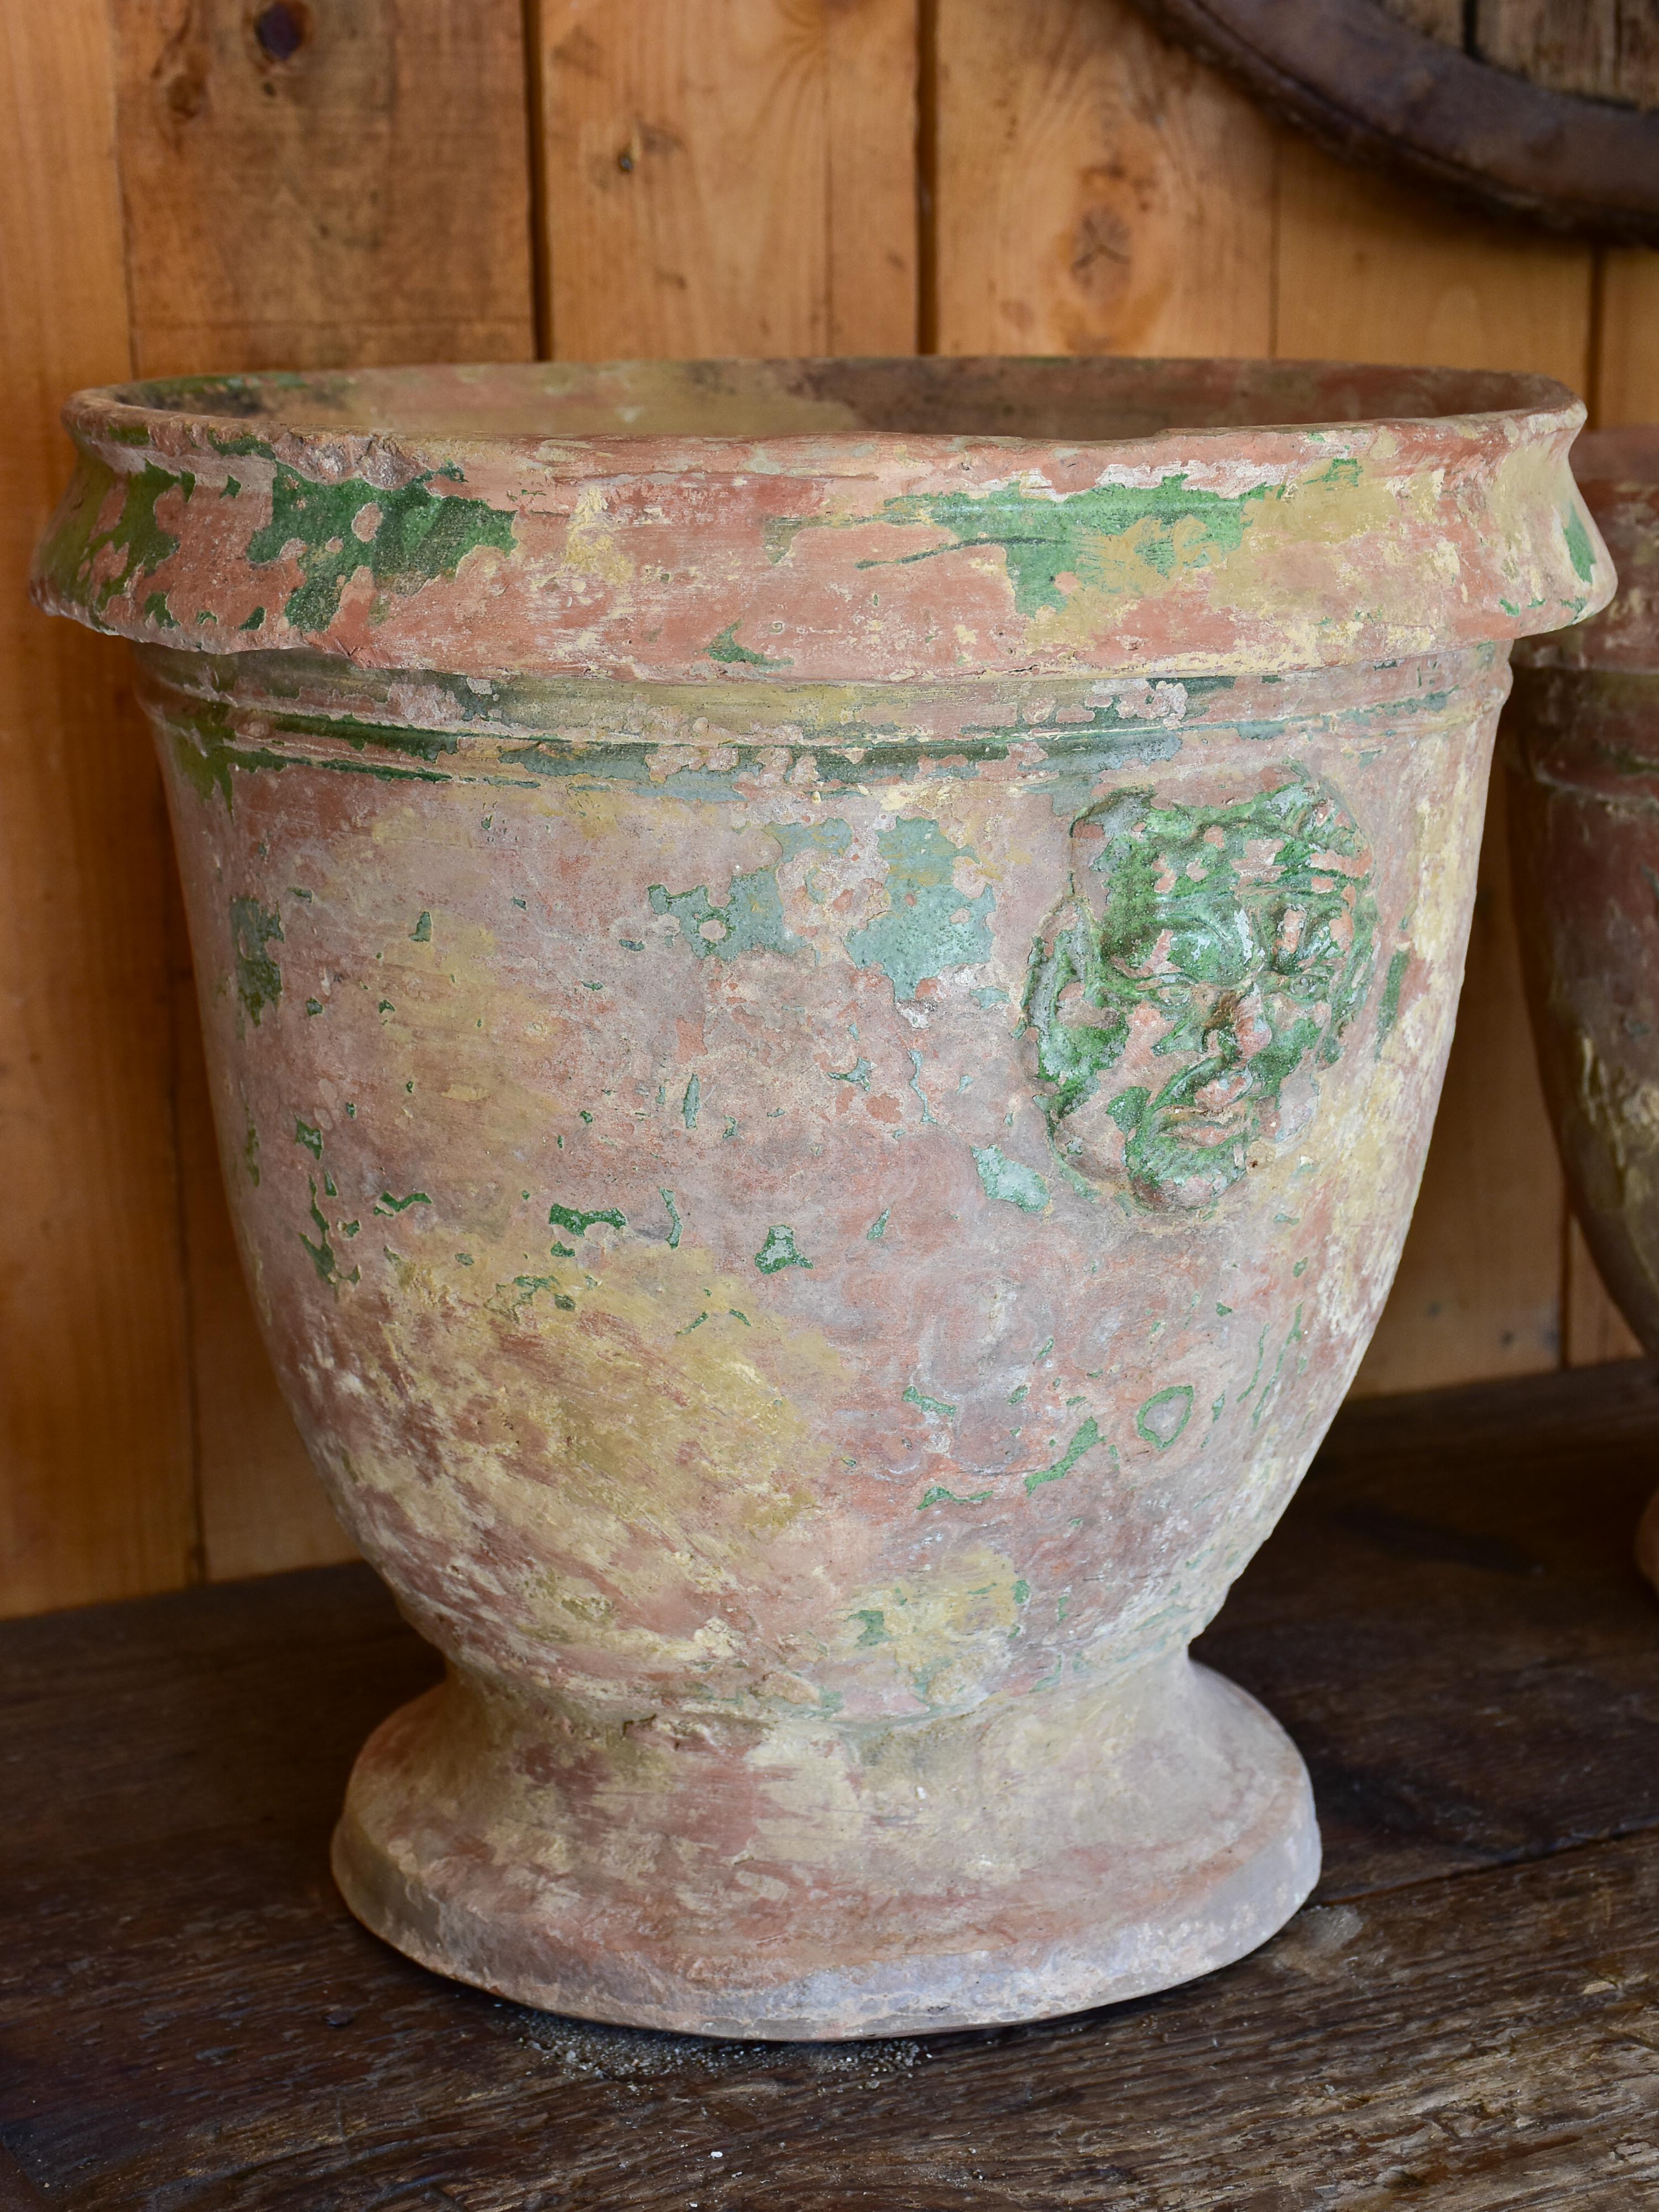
(1063, 1850)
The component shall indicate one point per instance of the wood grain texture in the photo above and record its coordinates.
(1368, 271)
(1627, 358)
(366, 198)
(729, 177)
(1098, 191)
(1628, 380)
(96, 1496)
(1480, 1288)
(1608, 49)
(1375, 86)
(1466, 2015)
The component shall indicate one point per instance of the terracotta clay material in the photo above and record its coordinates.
(825, 985)
(1583, 743)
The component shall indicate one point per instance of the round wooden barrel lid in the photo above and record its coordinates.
(1544, 109)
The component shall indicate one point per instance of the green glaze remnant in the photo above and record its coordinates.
(1011, 1179)
(725, 648)
(322, 1254)
(1165, 1415)
(259, 979)
(674, 1222)
(751, 920)
(1086, 1440)
(311, 1139)
(939, 1496)
(691, 1102)
(68, 559)
(511, 1299)
(1580, 552)
(207, 748)
(1235, 941)
(929, 925)
(913, 1397)
(877, 1229)
(1388, 1011)
(778, 1251)
(422, 933)
(1083, 535)
(404, 538)
(577, 1224)
(386, 1204)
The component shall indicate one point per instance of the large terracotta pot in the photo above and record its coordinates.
(1583, 734)
(825, 986)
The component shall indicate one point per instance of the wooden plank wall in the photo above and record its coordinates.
(216, 184)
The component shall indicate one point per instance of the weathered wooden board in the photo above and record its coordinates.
(1627, 361)
(1447, 1619)
(1608, 49)
(1097, 191)
(96, 1498)
(304, 187)
(1368, 270)
(1519, 108)
(729, 177)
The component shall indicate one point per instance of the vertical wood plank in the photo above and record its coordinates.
(95, 1483)
(1368, 270)
(1479, 1289)
(1603, 49)
(729, 176)
(1627, 356)
(361, 194)
(1627, 359)
(1098, 191)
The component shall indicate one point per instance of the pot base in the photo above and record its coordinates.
(1063, 1851)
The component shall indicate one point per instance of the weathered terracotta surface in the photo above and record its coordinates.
(824, 1019)
(1583, 734)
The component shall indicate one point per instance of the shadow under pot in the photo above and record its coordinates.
(1581, 738)
(825, 985)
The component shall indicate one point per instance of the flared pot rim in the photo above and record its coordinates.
(877, 520)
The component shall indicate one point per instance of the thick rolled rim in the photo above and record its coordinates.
(875, 520)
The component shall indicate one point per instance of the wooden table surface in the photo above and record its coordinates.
(1466, 2015)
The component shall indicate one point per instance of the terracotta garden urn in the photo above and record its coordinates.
(1582, 735)
(826, 984)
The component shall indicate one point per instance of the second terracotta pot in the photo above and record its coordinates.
(1583, 730)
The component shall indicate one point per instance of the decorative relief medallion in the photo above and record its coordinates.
(1183, 998)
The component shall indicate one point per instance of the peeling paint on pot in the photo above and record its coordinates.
(825, 986)
(1583, 742)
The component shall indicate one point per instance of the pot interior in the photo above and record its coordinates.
(1091, 400)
